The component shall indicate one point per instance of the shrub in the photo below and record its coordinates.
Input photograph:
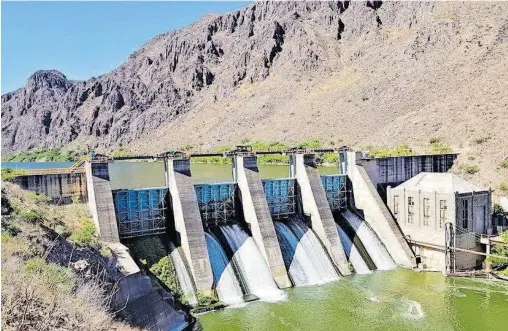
(151, 249)
(186, 148)
(38, 198)
(330, 158)
(6, 237)
(53, 275)
(310, 144)
(434, 140)
(364, 96)
(204, 300)
(504, 163)
(402, 150)
(31, 216)
(165, 271)
(470, 168)
(106, 252)
(497, 209)
(120, 151)
(481, 140)
(470, 157)
(8, 174)
(503, 186)
(85, 237)
(441, 148)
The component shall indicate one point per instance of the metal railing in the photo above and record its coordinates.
(53, 171)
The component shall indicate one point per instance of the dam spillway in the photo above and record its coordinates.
(299, 230)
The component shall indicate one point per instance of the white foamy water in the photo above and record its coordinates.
(301, 268)
(253, 268)
(226, 285)
(183, 277)
(352, 253)
(315, 251)
(370, 241)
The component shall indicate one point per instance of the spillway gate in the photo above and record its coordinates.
(336, 190)
(216, 202)
(140, 212)
(281, 196)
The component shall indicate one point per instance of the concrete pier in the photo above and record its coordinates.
(188, 223)
(257, 215)
(100, 201)
(377, 214)
(315, 204)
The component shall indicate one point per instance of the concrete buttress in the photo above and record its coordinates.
(377, 214)
(100, 201)
(257, 215)
(188, 223)
(315, 204)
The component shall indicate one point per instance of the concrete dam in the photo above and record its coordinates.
(249, 238)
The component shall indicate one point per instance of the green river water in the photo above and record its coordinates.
(390, 300)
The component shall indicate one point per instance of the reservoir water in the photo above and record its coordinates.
(384, 300)
(396, 299)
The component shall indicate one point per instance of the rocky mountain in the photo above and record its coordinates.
(356, 73)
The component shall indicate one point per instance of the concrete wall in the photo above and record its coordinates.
(257, 215)
(100, 200)
(188, 223)
(425, 229)
(316, 205)
(61, 188)
(377, 214)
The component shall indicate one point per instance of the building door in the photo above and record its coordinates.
(480, 219)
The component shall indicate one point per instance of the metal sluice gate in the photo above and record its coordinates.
(281, 197)
(216, 202)
(336, 191)
(140, 212)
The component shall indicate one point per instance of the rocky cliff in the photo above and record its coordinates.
(358, 73)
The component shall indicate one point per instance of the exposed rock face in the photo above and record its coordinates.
(287, 71)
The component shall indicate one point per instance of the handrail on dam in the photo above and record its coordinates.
(53, 171)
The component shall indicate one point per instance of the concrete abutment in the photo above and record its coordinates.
(314, 202)
(257, 215)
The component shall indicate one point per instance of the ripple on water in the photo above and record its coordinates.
(414, 310)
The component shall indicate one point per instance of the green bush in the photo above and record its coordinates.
(6, 237)
(503, 186)
(273, 159)
(55, 155)
(501, 251)
(470, 168)
(364, 96)
(106, 252)
(310, 144)
(402, 150)
(204, 300)
(497, 209)
(504, 163)
(53, 275)
(505, 272)
(150, 248)
(9, 174)
(330, 158)
(470, 157)
(441, 148)
(31, 216)
(38, 198)
(165, 271)
(85, 237)
(434, 140)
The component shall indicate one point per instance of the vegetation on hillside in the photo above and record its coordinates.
(53, 155)
(9, 174)
(498, 263)
(53, 275)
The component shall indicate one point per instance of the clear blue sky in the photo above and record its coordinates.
(85, 39)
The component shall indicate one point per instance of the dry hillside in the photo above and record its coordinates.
(355, 73)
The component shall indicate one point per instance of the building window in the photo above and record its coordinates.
(426, 211)
(465, 214)
(395, 204)
(410, 208)
(442, 212)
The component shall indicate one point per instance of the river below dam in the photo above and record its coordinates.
(384, 300)
(397, 299)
